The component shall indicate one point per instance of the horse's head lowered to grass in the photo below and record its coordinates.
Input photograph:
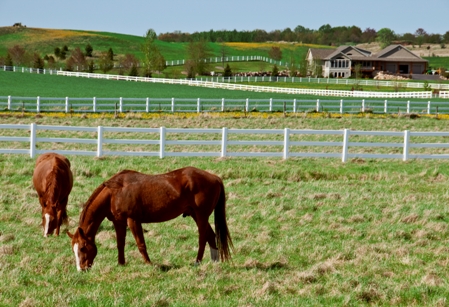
(53, 181)
(130, 198)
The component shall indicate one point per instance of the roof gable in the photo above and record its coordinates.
(349, 52)
(396, 52)
(319, 54)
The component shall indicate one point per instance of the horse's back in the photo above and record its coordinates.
(53, 171)
(155, 198)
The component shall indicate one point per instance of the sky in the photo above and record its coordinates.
(136, 17)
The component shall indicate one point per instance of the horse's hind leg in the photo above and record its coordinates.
(120, 231)
(136, 229)
(206, 234)
(58, 221)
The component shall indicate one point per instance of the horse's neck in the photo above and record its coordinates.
(94, 214)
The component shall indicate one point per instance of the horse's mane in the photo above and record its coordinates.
(112, 181)
(90, 200)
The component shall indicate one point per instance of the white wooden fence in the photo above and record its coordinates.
(254, 88)
(172, 105)
(236, 79)
(285, 140)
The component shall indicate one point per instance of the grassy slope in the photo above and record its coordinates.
(45, 40)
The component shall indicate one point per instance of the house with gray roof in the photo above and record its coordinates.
(340, 62)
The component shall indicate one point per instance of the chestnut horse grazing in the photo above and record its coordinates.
(53, 181)
(132, 198)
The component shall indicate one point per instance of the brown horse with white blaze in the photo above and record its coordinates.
(132, 198)
(53, 181)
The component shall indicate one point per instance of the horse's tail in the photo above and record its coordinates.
(223, 237)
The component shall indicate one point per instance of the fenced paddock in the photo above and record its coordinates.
(241, 79)
(198, 105)
(179, 142)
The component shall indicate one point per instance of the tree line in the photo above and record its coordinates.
(325, 35)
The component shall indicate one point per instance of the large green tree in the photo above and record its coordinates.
(385, 36)
(197, 54)
(153, 58)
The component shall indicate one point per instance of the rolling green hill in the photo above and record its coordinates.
(44, 41)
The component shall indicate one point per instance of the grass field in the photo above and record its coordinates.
(306, 231)
(32, 85)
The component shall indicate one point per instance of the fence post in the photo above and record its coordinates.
(222, 104)
(9, 103)
(271, 104)
(173, 105)
(341, 106)
(294, 105)
(363, 105)
(147, 105)
(344, 155)
(224, 142)
(100, 141)
(247, 105)
(286, 143)
(32, 140)
(318, 105)
(121, 105)
(198, 105)
(38, 104)
(94, 104)
(428, 107)
(67, 104)
(408, 107)
(162, 143)
(406, 145)
(386, 106)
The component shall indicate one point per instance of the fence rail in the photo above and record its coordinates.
(198, 105)
(225, 142)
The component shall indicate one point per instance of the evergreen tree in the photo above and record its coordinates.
(133, 71)
(57, 52)
(89, 50)
(90, 66)
(275, 71)
(111, 54)
(8, 60)
(227, 71)
(38, 62)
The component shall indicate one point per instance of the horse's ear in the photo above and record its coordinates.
(81, 232)
(69, 234)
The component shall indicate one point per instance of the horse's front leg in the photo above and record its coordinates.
(58, 221)
(136, 229)
(120, 231)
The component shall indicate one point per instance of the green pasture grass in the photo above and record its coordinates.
(33, 85)
(437, 62)
(30, 85)
(306, 231)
